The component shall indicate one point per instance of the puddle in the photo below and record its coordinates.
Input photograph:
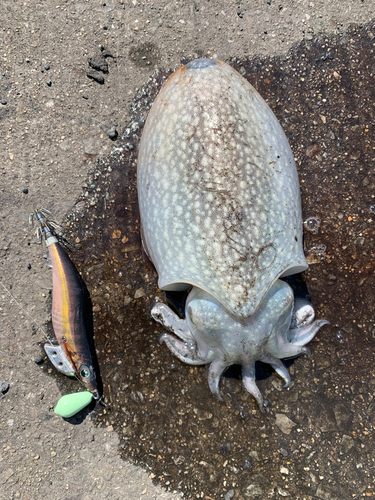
(317, 439)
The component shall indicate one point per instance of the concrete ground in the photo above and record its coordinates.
(54, 128)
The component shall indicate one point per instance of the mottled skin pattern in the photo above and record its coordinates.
(220, 209)
(218, 188)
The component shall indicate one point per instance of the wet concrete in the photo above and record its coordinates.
(317, 440)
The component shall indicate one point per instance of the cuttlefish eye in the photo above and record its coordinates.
(84, 371)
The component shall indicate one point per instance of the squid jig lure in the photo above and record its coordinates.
(72, 355)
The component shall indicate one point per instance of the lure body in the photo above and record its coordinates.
(69, 313)
(221, 212)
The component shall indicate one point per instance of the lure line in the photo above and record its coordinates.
(24, 310)
(47, 337)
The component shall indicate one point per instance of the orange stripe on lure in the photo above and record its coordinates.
(69, 316)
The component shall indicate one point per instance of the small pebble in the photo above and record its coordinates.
(284, 452)
(3, 101)
(372, 209)
(107, 53)
(248, 464)
(284, 423)
(112, 132)
(47, 67)
(4, 386)
(49, 83)
(25, 190)
(139, 293)
(95, 75)
(28, 266)
(173, 367)
(38, 360)
(99, 63)
(229, 495)
(340, 336)
(27, 60)
(224, 448)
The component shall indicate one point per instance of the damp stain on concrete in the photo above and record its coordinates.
(317, 440)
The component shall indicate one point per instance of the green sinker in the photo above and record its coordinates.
(70, 404)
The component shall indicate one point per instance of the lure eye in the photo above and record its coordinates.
(84, 371)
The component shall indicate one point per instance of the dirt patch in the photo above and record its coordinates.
(145, 54)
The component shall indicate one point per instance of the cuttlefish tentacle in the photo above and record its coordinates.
(278, 366)
(248, 381)
(302, 336)
(184, 351)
